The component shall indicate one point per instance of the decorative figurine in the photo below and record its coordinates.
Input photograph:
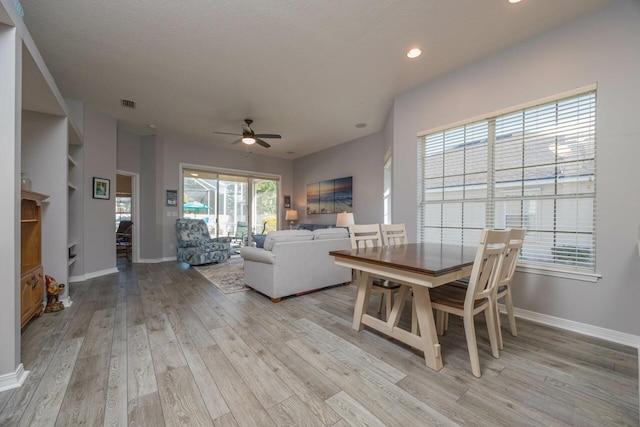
(53, 289)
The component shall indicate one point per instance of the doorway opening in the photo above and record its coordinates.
(126, 227)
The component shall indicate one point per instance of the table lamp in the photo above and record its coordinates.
(344, 219)
(291, 215)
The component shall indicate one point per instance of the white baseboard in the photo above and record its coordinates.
(582, 328)
(157, 260)
(14, 379)
(92, 275)
(66, 302)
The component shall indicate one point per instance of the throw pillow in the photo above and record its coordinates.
(259, 239)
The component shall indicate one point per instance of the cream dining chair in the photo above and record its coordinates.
(477, 297)
(512, 252)
(368, 235)
(396, 234)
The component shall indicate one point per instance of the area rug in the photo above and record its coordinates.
(227, 276)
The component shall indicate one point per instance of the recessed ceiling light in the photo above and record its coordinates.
(290, 152)
(151, 126)
(414, 53)
(514, 1)
(361, 125)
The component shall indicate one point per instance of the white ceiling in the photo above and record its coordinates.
(307, 69)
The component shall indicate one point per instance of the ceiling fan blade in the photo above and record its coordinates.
(227, 133)
(263, 143)
(237, 141)
(267, 135)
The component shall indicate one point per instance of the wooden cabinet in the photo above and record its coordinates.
(31, 273)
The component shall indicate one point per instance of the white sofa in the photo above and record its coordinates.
(295, 261)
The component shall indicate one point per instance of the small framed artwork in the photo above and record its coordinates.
(172, 198)
(287, 202)
(101, 188)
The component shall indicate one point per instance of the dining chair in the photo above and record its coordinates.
(477, 297)
(368, 235)
(396, 234)
(512, 252)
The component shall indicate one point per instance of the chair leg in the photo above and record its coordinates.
(472, 345)
(508, 302)
(490, 317)
(414, 317)
(389, 300)
(498, 326)
(440, 319)
(446, 321)
(380, 302)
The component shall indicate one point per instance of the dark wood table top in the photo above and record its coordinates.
(427, 258)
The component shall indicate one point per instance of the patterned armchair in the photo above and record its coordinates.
(195, 245)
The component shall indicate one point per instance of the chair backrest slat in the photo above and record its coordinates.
(364, 236)
(394, 234)
(512, 252)
(487, 265)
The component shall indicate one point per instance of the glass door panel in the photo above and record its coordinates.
(233, 203)
(200, 197)
(264, 206)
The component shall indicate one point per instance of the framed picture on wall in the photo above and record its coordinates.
(101, 188)
(172, 198)
(287, 202)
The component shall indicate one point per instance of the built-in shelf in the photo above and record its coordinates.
(28, 220)
(71, 186)
(71, 261)
(72, 161)
(71, 244)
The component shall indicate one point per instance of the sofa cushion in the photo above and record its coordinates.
(330, 233)
(286, 236)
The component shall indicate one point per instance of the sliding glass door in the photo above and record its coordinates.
(223, 201)
(264, 205)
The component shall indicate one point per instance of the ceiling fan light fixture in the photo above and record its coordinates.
(248, 140)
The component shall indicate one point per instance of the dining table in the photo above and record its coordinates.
(416, 267)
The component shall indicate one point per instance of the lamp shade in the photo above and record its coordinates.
(344, 219)
(291, 215)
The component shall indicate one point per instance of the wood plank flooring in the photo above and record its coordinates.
(158, 345)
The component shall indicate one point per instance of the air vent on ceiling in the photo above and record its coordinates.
(127, 103)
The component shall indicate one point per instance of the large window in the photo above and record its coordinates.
(532, 168)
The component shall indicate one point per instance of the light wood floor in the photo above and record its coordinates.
(158, 345)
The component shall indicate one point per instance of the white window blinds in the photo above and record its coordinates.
(532, 168)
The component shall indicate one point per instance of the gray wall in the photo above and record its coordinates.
(150, 220)
(10, 124)
(99, 161)
(361, 158)
(601, 48)
(128, 155)
(44, 142)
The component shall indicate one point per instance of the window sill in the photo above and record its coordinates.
(554, 272)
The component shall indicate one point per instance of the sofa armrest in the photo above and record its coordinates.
(249, 253)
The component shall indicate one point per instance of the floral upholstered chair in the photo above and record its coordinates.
(195, 245)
